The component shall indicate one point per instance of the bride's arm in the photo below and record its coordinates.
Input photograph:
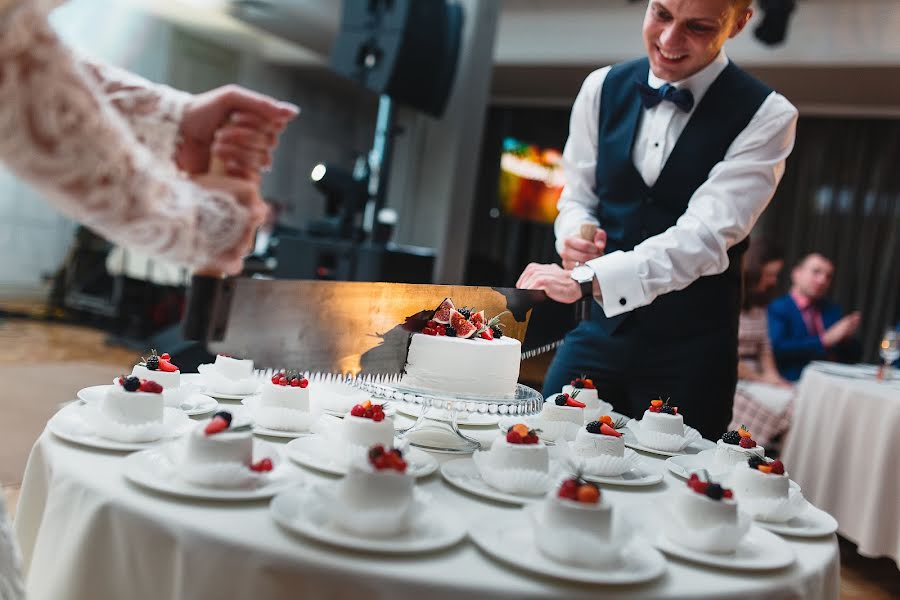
(58, 133)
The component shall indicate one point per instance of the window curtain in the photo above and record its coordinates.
(841, 196)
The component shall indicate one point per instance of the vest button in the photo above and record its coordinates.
(623, 301)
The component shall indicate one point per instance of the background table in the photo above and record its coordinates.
(843, 450)
(88, 534)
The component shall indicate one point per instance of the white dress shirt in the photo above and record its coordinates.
(721, 212)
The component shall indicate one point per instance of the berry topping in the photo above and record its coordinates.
(777, 467)
(561, 399)
(579, 490)
(291, 378)
(166, 356)
(498, 333)
(465, 312)
(594, 426)
(568, 489)
(487, 334)
(216, 425)
(224, 414)
(582, 383)
(571, 401)
(131, 384)
(166, 366)
(382, 459)
(715, 491)
(708, 488)
(520, 433)
(755, 460)
(607, 419)
(263, 466)
(607, 430)
(150, 386)
(513, 437)
(442, 313)
(450, 331)
(731, 437)
(658, 406)
(747, 443)
(368, 410)
(152, 363)
(460, 322)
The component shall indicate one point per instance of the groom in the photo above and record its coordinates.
(673, 156)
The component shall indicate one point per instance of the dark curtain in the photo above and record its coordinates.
(841, 196)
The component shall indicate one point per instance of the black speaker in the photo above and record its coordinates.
(407, 49)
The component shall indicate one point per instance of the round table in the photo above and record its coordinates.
(88, 534)
(842, 449)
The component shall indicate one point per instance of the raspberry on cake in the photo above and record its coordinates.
(522, 434)
(460, 351)
(159, 368)
(366, 425)
(736, 447)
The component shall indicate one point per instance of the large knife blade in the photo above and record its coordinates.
(347, 327)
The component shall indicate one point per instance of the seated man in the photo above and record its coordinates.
(803, 326)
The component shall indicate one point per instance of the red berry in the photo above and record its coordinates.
(747, 443)
(215, 426)
(777, 467)
(263, 466)
(727, 494)
(358, 411)
(304, 382)
(573, 402)
(165, 356)
(377, 416)
(429, 331)
(369, 412)
(569, 489)
(654, 409)
(487, 334)
(530, 439)
(295, 383)
(441, 330)
(166, 366)
(513, 437)
(282, 380)
(275, 379)
(432, 324)
(144, 383)
(153, 388)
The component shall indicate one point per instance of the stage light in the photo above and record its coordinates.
(776, 15)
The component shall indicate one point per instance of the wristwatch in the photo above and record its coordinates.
(584, 276)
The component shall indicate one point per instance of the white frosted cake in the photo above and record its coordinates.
(587, 394)
(459, 352)
(160, 369)
(367, 429)
(591, 516)
(736, 447)
(223, 447)
(284, 394)
(369, 486)
(764, 480)
(127, 404)
(598, 438)
(519, 455)
(662, 418)
(563, 407)
(702, 505)
(233, 368)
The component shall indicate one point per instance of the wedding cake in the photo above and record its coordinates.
(160, 369)
(460, 352)
(133, 401)
(737, 447)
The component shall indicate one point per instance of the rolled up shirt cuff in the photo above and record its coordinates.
(620, 283)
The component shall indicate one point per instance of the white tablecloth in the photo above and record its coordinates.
(843, 450)
(88, 534)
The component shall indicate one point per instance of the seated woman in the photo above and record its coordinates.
(763, 398)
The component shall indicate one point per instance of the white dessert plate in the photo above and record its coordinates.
(440, 414)
(251, 403)
(313, 452)
(631, 442)
(155, 469)
(510, 540)
(759, 550)
(639, 475)
(683, 465)
(812, 522)
(302, 511)
(197, 404)
(463, 473)
(69, 424)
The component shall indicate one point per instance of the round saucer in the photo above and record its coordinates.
(758, 550)
(70, 424)
(812, 522)
(314, 452)
(463, 474)
(632, 442)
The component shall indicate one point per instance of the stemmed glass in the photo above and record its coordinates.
(889, 350)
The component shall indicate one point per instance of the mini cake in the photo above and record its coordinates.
(704, 517)
(460, 352)
(761, 479)
(564, 407)
(133, 402)
(520, 449)
(219, 455)
(381, 481)
(160, 369)
(598, 438)
(587, 393)
(286, 390)
(574, 525)
(366, 425)
(233, 368)
(376, 497)
(662, 418)
(736, 447)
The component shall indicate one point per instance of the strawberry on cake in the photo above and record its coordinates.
(461, 352)
(159, 368)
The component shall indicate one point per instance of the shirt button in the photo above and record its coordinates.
(656, 144)
(622, 301)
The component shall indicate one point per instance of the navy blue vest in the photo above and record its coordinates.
(630, 211)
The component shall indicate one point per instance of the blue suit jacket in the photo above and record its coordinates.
(792, 344)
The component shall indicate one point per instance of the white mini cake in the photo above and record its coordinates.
(533, 457)
(729, 454)
(362, 431)
(749, 482)
(588, 444)
(223, 447)
(365, 487)
(452, 365)
(233, 368)
(562, 513)
(284, 396)
(554, 412)
(663, 423)
(166, 379)
(698, 511)
(132, 408)
(574, 526)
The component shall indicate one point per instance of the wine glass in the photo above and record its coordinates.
(889, 349)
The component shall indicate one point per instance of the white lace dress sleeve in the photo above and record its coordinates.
(59, 131)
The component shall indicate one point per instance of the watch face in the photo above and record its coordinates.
(582, 273)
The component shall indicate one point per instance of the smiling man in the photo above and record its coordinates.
(673, 156)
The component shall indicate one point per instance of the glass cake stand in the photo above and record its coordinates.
(444, 435)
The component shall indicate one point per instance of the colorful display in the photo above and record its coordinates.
(531, 180)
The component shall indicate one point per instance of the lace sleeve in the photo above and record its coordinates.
(153, 111)
(58, 132)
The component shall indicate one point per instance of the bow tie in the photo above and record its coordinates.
(651, 96)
